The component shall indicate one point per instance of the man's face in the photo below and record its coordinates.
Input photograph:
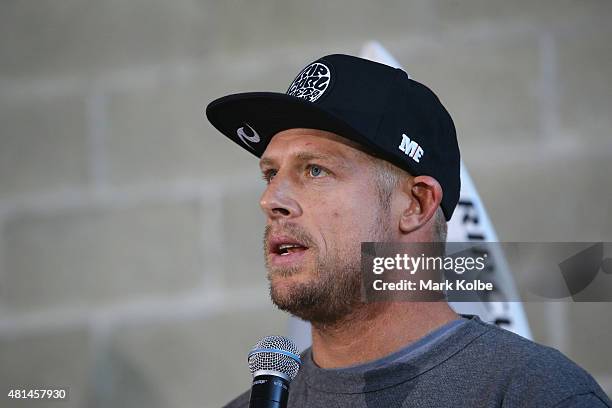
(321, 202)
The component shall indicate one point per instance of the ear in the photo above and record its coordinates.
(424, 194)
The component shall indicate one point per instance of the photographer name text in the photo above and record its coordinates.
(432, 285)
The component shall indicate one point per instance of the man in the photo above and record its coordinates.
(357, 152)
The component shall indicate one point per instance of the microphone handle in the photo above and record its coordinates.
(269, 391)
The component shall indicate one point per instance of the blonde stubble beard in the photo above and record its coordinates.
(333, 294)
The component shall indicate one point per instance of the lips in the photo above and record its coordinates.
(283, 245)
(285, 250)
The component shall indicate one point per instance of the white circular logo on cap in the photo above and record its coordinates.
(311, 83)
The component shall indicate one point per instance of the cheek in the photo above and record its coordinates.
(344, 215)
(351, 219)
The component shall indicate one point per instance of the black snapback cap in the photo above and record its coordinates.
(390, 115)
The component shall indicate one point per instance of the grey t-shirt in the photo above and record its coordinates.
(464, 364)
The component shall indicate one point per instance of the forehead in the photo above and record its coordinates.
(293, 142)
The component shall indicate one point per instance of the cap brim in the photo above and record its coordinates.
(252, 119)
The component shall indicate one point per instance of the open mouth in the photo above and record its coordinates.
(286, 249)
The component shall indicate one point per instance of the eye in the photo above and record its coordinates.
(268, 175)
(316, 171)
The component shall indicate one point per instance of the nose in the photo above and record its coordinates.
(278, 200)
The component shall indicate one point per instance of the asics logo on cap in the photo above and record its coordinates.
(246, 138)
(411, 148)
(311, 83)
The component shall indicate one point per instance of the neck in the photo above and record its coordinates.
(376, 330)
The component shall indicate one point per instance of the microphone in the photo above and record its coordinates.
(274, 363)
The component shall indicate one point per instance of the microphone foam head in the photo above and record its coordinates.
(275, 353)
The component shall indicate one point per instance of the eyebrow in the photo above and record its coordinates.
(301, 156)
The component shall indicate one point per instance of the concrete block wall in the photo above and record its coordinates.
(130, 237)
